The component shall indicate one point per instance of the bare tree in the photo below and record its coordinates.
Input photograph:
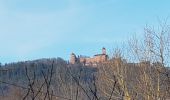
(153, 54)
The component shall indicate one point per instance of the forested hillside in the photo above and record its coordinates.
(139, 72)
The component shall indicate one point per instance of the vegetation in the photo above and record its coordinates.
(141, 75)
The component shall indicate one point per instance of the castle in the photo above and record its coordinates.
(98, 58)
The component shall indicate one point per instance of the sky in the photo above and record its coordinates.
(33, 29)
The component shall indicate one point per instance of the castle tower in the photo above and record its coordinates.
(72, 58)
(103, 51)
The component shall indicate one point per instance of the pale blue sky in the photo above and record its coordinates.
(32, 29)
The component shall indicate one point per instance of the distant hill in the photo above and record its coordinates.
(15, 73)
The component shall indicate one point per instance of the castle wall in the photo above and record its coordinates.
(100, 58)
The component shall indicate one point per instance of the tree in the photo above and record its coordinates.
(154, 49)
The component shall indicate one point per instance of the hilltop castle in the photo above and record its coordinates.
(98, 58)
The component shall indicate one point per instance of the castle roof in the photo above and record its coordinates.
(83, 56)
(99, 54)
